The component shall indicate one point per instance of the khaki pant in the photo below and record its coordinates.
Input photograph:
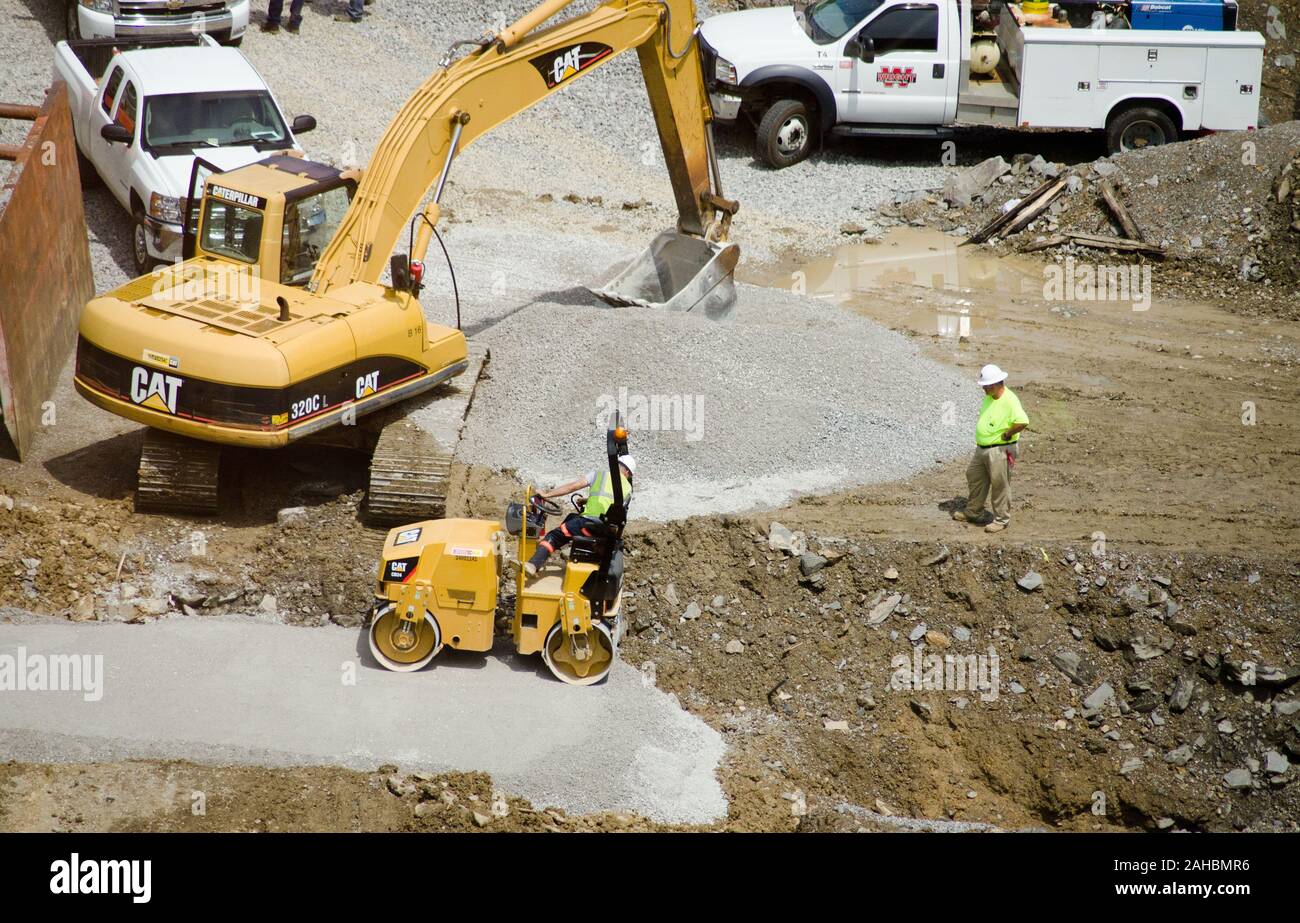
(988, 473)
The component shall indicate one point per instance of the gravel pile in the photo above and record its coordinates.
(787, 396)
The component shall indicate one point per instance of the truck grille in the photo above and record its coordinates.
(185, 9)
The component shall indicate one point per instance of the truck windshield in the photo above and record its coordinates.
(213, 120)
(309, 224)
(827, 21)
(231, 230)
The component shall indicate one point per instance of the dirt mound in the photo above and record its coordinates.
(1217, 205)
(1154, 680)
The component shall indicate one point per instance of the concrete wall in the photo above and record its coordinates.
(45, 275)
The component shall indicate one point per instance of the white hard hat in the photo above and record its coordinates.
(991, 375)
(628, 462)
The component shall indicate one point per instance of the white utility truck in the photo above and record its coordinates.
(143, 110)
(921, 68)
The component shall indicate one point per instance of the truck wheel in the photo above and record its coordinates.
(73, 25)
(144, 263)
(1134, 129)
(785, 135)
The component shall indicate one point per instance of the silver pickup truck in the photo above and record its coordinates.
(224, 20)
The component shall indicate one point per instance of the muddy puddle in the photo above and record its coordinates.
(944, 288)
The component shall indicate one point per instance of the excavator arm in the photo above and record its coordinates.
(504, 75)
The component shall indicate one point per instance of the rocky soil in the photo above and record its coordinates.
(1221, 206)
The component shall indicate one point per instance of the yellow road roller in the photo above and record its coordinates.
(441, 583)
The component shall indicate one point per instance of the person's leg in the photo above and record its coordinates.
(273, 10)
(295, 14)
(977, 485)
(554, 540)
(1000, 486)
(356, 9)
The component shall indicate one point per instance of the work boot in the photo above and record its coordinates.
(960, 516)
(292, 28)
(271, 27)
(996, 526)
(530, 568)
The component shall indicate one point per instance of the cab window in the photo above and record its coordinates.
(906, 28)
(110, 90)
(126, 109)
(309, 224)
(828, 20)
(231, 230)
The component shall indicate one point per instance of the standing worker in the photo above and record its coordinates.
(589, 522)
(997, 438)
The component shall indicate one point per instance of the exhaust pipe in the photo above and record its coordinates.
(677, 272)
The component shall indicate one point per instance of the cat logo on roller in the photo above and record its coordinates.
(367, 384)
(154, 389)
(558, 66)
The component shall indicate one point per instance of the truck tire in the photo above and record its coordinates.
(1139, 127)
(785, 134)
(73, 24)
(140, 256)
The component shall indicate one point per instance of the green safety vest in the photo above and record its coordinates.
(601, 497)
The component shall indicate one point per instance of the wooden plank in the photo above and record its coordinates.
(1102, 242)
(1037, 207)
(1005, 218)
(1045, 244)
(1126, 223)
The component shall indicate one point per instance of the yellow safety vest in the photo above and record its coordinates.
(601, 497)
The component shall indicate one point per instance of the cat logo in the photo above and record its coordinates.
(154, 389)
(896, 76)
(558, 66)
(367, 384)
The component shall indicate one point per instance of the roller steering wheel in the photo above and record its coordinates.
(546, 505)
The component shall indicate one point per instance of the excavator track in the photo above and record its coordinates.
(411, 464)
(177, 474)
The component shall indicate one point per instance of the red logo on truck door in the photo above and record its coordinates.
(896, 76)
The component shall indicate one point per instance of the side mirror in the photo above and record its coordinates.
(116, 134)
(303, 123)
(863, 48)
(400, 269)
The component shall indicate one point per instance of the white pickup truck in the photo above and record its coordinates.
(920, 68)
(224, 20)
(142, 111)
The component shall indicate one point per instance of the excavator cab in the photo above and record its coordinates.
(278, 214)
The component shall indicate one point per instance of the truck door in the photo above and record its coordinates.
(906, 82)
(199, 174)
(100, 151)
(125, 114)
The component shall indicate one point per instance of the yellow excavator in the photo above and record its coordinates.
(277, 327)
(439, 586)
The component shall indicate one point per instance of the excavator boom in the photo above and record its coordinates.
(507, 73)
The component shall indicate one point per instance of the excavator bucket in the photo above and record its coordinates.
(677, 272)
